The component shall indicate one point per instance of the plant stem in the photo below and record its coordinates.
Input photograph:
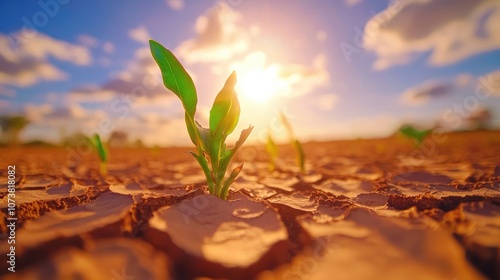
(103, 168)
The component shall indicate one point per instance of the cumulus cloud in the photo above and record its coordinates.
(365, 127)
(46, 121)
(490, 83)
(463, 80)
(352, 3)
(451, 30)
(175, 4)
(35, 113)
(218, 37)
(151, 127)
(88, 41)
(139, 34)
(425, 92)
(327, 102)
(141, 79)
(108, 47)
(73, 116)
(4, 104)
(321, 36)
(28, 64)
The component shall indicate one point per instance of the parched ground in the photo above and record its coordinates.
(365, 209)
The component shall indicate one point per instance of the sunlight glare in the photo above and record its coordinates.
(257, 86)
(256, 82)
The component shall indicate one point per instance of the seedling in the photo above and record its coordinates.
(101, 152)
(211, 152)
(272, 151)
(300, 157)
(417, 135)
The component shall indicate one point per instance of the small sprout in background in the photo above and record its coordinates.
(413, 133)
(155, 151)
(101, 152)
(272, 151)
(212, 154)
(295, 143)
(380, 148)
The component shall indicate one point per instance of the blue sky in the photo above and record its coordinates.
(339, 69)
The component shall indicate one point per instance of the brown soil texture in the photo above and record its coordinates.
(364, 209)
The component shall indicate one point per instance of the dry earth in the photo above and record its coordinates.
(365, 209)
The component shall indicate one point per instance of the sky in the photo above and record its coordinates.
(337, 69)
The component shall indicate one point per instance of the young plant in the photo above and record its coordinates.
(101, 152)
(211, 152)
(417, 135)
(295, 143)
(272, 151)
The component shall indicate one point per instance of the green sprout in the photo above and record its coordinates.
(417, 135)
(101, 152)
(272, 151)
(295, 143)
(212, 154)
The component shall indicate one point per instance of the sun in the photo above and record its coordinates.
(257, 82)
(256, 85)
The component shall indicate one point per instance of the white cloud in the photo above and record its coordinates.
(139, 34)
(4, 104)
(451, 30)
(425, 92)
(490, 83)
(89, 94)
(321, 36)
(27, 64)
(151, 127)
(464, 80)
(74, 114)
(218, 37)
(108, 47)
(35, 113)
(352, 3)
(366, 127)
(175, 4)
(327, 102)
(141, 79)
(46, 121)
(88, 41)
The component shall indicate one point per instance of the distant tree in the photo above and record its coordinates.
(479, 119)
(118, 139)
(74, 139)
(12, 127)
(138, 143)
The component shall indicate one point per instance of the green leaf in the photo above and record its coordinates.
(230, 180)
(295, 143)
(232, 117)
(229, 154)
(175, 77)
(191, 128)
(271, 147)
(300, 155)
(101, 151)
(222, 105)
(287, 125)
(411, 132)
(272, 151)
(204, 166)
